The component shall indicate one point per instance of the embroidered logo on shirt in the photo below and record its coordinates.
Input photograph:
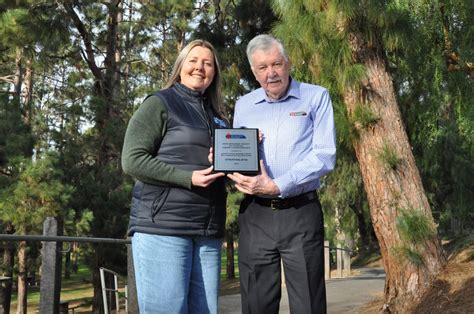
(297, 114)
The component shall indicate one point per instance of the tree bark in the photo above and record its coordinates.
(67, 265)
(18, 77)
(97, 303)
(8, 263)
(229, 238)
(22, 284)
(27, 95)
(391, 190)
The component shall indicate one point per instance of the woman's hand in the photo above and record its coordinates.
(210, 157)
(204, 178)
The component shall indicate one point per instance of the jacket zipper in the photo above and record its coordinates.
(206, 117)
(209, 130)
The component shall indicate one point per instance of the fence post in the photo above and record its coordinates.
(346, 263)
(50, 287)
(132, 302)
(339, 260)
(327, 265)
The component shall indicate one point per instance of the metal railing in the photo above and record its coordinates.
(49, 291)
(112, 294)
(50, 285)
(45, 238)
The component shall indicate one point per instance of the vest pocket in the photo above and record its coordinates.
(160, 199)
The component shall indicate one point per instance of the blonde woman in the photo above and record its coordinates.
(178, 206)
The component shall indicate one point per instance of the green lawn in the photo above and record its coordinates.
(77, 289)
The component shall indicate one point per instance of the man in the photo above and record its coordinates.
(280, 218)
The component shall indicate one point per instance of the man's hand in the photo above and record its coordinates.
(204, 178)
(261, 184)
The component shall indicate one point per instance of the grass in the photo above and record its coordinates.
(78, 289)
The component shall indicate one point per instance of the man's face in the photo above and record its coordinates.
(271, 71)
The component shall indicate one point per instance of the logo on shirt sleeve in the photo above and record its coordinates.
(219, 122)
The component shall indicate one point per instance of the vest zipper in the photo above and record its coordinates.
(206, 116)
(209, 130)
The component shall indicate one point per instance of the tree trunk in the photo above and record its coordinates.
(106, 115)
(27, 95)
(391, 187)
(7, 269)
(22, 284)
(75, 257)
(361, 226)
(97, 303)
(229, 238)
(67, 265)
(18, 78)
(108, 88)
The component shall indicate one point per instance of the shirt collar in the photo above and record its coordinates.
(293, 91)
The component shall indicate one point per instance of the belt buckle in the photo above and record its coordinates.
(274, 204)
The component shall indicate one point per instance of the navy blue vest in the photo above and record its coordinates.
(169, 210)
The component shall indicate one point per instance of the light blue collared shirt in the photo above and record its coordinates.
(299, 137)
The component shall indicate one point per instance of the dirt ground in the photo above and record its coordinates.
(453, 289)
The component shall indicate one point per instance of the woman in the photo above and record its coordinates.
(177, 215)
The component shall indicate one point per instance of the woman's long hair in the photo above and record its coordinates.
(213, 92)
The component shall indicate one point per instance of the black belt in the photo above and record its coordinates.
(284, 203)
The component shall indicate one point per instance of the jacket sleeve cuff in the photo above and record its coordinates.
(184, 178)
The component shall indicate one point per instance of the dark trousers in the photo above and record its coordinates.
(293, 235)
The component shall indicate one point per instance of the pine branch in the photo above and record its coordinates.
(453, 60)
(88, 54)
(7, 92)
(8, 78)
(5, 173)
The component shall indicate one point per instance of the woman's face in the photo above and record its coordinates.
(198, 69)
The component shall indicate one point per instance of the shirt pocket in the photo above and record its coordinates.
(298, 122)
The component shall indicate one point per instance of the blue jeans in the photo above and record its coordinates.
(176, 274)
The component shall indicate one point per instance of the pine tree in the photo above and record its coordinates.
(16, 43)
(437, 103)
(345, 45)
(37, 193)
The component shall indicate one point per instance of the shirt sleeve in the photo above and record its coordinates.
(235, 122)
(144, 134)
(321, 158)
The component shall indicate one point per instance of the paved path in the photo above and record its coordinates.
(343, 295)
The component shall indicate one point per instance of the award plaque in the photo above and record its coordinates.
(236, 150)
